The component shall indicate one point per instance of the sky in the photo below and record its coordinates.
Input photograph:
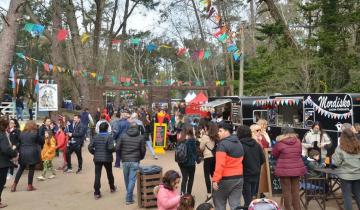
(141, 20)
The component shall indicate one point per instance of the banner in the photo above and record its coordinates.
(48, 97)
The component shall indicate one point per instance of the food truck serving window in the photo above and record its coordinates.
(290, 114)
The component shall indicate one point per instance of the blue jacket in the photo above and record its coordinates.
(122, 127)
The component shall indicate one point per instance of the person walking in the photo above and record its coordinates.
(30, 104)
(47, 155)
(208, 139)
(14, 135)
(253, 159)
(347, 159)
(61, 144)
(187, 166)
(289, 166)
(19, 105)
(131, 146)
(7, 152)
(87, 121)
(121, 128)
(75, 143)
(29, 154)
(147, 124)
(102, 119)
(102, 147)
(228, 174)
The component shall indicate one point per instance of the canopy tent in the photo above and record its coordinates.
(194, 105)
(189, 97)
(213, 104)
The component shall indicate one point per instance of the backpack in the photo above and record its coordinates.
(181, 153)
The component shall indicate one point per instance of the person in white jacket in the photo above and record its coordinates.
(317, 139)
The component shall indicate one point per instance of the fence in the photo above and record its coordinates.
(9, 108)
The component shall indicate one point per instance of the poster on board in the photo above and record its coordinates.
(159, 142)
(48, 97)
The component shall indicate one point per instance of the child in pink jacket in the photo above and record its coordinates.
(167, 195)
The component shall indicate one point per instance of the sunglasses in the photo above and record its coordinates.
(258, 130)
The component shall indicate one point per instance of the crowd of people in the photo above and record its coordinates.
(233, 158)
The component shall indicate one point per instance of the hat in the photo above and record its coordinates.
(226, 126)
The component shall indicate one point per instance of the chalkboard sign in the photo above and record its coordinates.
(272, 184)
(159, 142)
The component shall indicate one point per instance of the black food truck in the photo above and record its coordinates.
(300, 111)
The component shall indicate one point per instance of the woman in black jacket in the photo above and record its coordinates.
(6, 154)
(253, 159)
(187, 168)
(102, 146)
(29, 154)
(14, 135)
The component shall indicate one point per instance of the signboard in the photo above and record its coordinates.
(159, 143)
(48, 97)
(269, 183)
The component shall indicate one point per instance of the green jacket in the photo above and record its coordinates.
(348, 164)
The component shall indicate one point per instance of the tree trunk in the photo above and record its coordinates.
(97, 29)
(253, 27)
(78, 50)
(198, 21)
(8, 41)
(274, 12)
(126, 13)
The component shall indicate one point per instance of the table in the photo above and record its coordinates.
(334, 184)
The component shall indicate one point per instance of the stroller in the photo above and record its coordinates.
(263, 204)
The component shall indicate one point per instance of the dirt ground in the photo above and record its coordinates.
(75, 191)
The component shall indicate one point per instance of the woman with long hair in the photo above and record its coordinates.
(14, 135)
(187, 168)
(264, 125)
(6, 154)
(208, 138)
(317, 139)
(257, 135)
(29, 153)
(289, 166)
(347, 159)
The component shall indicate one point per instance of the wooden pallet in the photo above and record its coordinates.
(145, 187)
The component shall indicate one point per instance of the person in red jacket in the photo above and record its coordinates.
(289, 166)
(61, 143)
(107, 116)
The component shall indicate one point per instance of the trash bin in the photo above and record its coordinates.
(147, 178)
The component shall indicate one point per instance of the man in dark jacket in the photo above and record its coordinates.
(102, 147)
(132, 150)
(19, 104)
(120, 128)
(253, 159)
(75, 143)
(228, 174)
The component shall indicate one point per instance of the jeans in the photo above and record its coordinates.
(250, 189)
(110, 176)
(149, 145)
(19, 113)
(130, 169)
(77, 150)
(30, 114)
(209, 168)
(30, 175)
(117, 159)
(3, 175)
(229, 189)
(187, 173)
(291, 192)
(349, 188)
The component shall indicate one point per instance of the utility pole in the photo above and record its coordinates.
(241, 70)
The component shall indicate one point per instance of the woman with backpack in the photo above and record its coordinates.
(209, 136)
(185, 156)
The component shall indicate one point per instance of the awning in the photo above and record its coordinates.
(213, 104)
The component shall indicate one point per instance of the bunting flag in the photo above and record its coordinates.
(34, 29)
(165, 46)
(84, 38)
(201, 54)
(223, 30)
(181, 51)
(46, 67)
(115, 41)
(12, 72)
(114, 79)
(211, 11)
(93, 75)
(135, 41)
(151, 47)
(21, 55)
(232, 48)
(23, 82)
(62, 34)
(13, 83)
(223, 37)
(236, 55)
(207, 54)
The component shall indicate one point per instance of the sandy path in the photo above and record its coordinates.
(72, 191)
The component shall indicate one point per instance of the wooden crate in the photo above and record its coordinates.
(145, 187)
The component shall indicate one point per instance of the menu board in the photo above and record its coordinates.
(160, 135)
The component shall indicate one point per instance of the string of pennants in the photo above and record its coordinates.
(326, 113)
(120, 80)
(273, 102)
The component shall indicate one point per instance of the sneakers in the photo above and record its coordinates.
(156, 157)
(97, 197)
(41, 178)
(78, 171)
(31, 188)
(113, 190)
(68, 170)
(51, 177)
(130, 202)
